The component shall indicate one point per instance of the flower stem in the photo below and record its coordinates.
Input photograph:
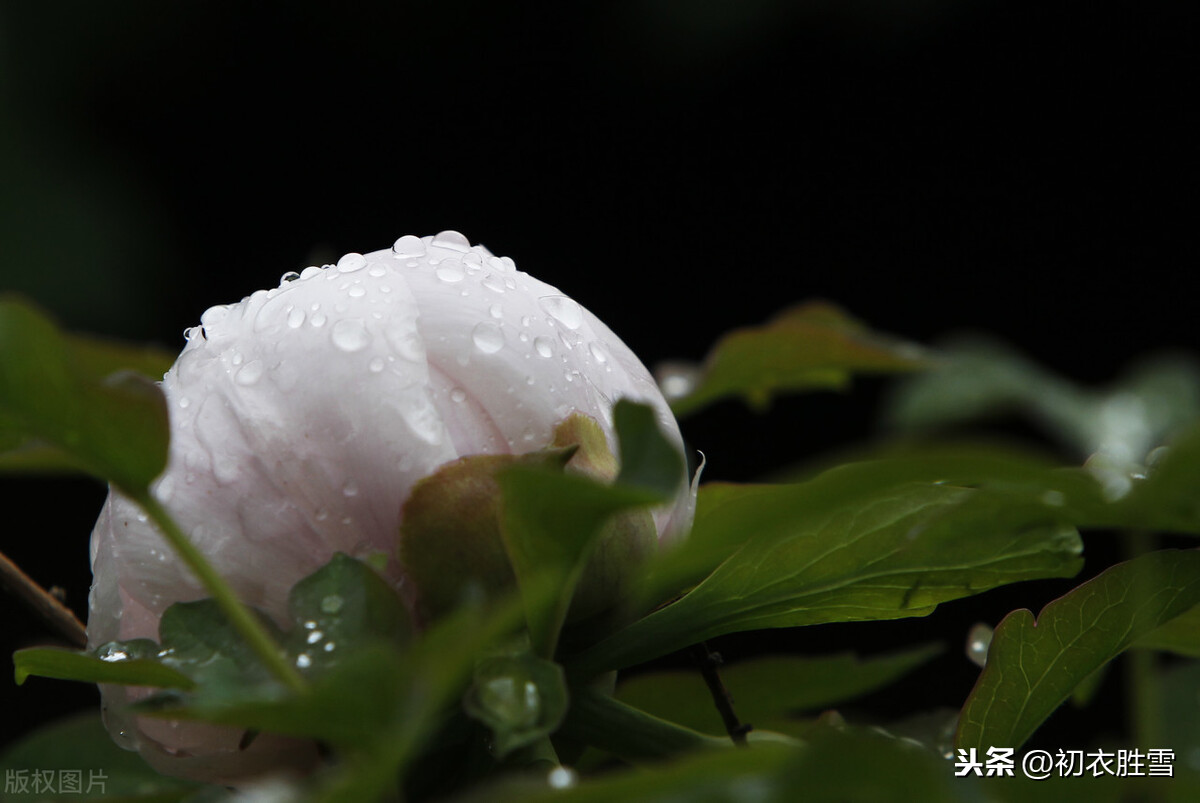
(52, 611)
(257, 638)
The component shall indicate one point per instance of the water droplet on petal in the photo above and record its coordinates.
(184, 402)
(408, 246)
(450, 271)
(377, 271)
(543, 346)
(376, 365)
(597, 353)
(214, 315)
(303, 660)
(563, 310)
(458, 395)
(249, 373)
(295, 318)
(494, 284)
(357, 291)
(350, 335)
(321, 514)
(451, 240)
(488, 337)
(350, 488)
(317, 320)
(351, 262)
(496, 311)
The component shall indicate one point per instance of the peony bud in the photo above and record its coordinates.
(303, 417)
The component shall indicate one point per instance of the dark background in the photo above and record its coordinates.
(680, 167)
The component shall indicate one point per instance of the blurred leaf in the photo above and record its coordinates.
(648, 459)
(834, 766)
(60, 411)
(765, 689)
(1034, 666)
(809, 347)
(843, 547)
(99, 357)
(1180, 635)
(980, 377)
(521, 698)
(82, 743)
(63, 664)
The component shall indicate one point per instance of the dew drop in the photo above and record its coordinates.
(290, 276)
(350, 335)
(676, 379)
(458, 395)
(214, 315)
(450, 271)
(408, 246)
(249, 373)
(310, 271)
(451, 240)
(350, 488)
(597, 353)
(496, 311)
(487, 337)
(184, 402)
(543, 346)
(295, 318)
(315, 636)
(563, 310)
(376, 365)
(979, 639)
(317, 320)
(494, 284)
(112, 652)
(329, 646)
(351, 262)
(303, 660)
(377, 271)
(357, 291)
(321, 514)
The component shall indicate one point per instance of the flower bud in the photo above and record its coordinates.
(303, 417)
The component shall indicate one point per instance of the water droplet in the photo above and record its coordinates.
(350, 335)
(376, 365)
(329, 645)
(458, 395)
(676, 379)
(357, 291)
(597, 353)
(112, 652)
(563, 310)
(488, 337)
(295, 318)
(450, 271)
(350, 489)
(351, 262)
(310, 271)
(290, 276)
(315, 636)
(321, 514)
(317, 320)
(408, 246)
(332, 604)
(184, 402)
(979, 639)
(451, 240)
(494, 284)
(377, 271)
(526, 320)
(191, 332)
(249, 373)
(303, 660)
(543, 346)
(562, 778)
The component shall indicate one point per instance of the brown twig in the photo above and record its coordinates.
(58, 616)
(708, 661)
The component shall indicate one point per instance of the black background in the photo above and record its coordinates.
(678, 167)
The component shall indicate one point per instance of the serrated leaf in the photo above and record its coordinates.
(765, 689)
(82, 744)
(63, 664)
(808, 347)
(59, 412)
(521, 698)
(1033, 666)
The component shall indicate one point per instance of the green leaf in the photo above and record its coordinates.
(550, 524)
(648, 459)
(341, 606)
(765, 689)
(125, 666)
(58, 411)
(1034, 666)
(809, 347)
(1180, 635)
(82, 743)
(841, 548)
(521, 698)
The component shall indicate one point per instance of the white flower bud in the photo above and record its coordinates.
(302, 416)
